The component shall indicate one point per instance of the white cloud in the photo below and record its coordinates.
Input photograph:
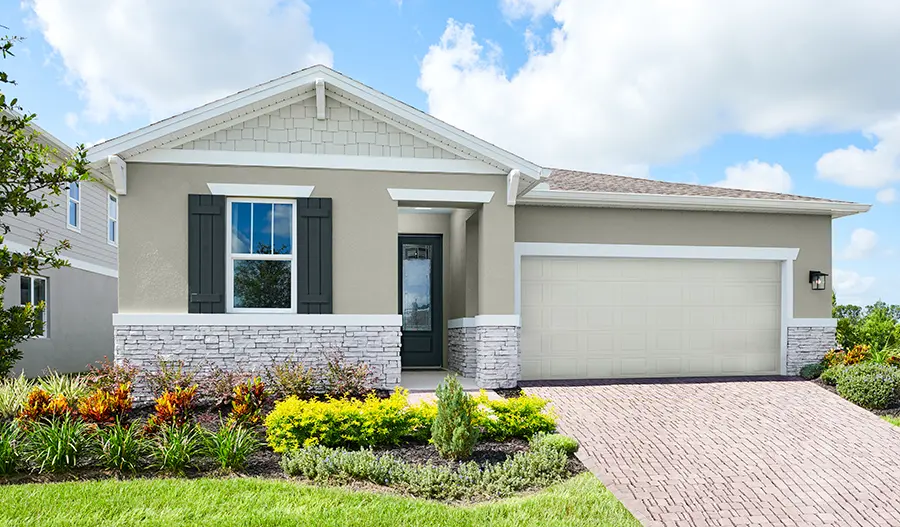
(862, 243)
(756, 175)
(866, 168)
(648, 81)
(72, 120)
(154, 58)
(849, 286)
(527, 8)
(888, 195)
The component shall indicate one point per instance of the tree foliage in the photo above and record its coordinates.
(31, 172)
(877, 325)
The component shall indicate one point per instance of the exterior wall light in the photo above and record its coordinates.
(817, 279)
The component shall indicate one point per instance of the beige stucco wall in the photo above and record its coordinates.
(811, 234)
(153, 230)
(457, 261)
(471, 300)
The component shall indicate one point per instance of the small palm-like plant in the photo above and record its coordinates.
(231, 446)
(57, 444)
(175, 447)
(454, 432)
(120, 447)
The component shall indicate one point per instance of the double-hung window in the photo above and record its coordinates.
(33, 290)
(73, 203)
(261, 269)
(112, 219)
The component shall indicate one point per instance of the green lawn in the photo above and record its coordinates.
(580, 501)
(893, 420)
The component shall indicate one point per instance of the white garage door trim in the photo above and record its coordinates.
(785, 255)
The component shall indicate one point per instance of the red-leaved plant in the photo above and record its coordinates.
(247, 402)
(41, 405)
(103, 406)
(173, 407)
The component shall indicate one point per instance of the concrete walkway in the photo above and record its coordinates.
(735, 453)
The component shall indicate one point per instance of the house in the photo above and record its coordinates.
(312, 213)
(79, 299)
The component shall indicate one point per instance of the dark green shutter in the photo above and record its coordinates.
(314, 256)
(206, 253)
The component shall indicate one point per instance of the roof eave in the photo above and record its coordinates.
(700, 203)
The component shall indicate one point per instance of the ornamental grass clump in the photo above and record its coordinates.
(120, 447)
(870, 385)
(231, 446)
(57, 444)
(455, 431)
(70, 387)
(175, 447)
(11, 436)
(12, 395)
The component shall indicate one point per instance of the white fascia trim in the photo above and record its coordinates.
(252, 319)
(711, 203)
(686, 252)
(73, 262)
(785, 255)
(812, 323)
(260, 191)
(119, 171)
(325, 161)
(441, 196)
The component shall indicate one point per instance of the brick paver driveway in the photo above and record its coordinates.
(735, 453)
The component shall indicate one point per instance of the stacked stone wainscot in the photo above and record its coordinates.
(806, 345)
(254, 347)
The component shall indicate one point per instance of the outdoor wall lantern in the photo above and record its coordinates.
(817, 279)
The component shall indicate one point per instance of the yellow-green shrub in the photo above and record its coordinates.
(296, 423)
(520, 417)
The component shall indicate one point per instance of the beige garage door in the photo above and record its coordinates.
(585, 318)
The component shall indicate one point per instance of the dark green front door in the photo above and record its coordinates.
(421, 298)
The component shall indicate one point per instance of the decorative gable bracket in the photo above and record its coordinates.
(119, 171)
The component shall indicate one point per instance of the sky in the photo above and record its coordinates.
(800, 97)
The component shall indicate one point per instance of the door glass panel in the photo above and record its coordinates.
(416, 287)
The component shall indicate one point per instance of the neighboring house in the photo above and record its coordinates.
(312, 213)
(80, 299)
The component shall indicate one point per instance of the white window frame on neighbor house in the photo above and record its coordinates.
(230, 258)
(70, 201)
(44, 314)
(112, 219)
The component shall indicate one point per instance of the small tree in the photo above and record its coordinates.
(30, 172)
(454, 432)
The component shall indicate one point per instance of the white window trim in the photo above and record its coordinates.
(46, 313)
(114, 243)
(784, 255)
(230, 258)
(77, 202)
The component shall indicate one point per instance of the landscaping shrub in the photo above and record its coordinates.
(106, 375)
(231, 446)
(812, 371)
(120, 447)
(420, 418)
(12, 395)
(834, 358)
(290, 379)
(526, 470)
(103, 406)
(889, 355)
(558, 441)
(345, 379)
(70, 387)
(832, 374)
(516, 417)
(454, 432)
(41, 405)
(173, 408)
(175, 447)
(57, 444)
(247, 402)
(10, 445)
(857, 354)
(170, 376)
(219, 383)
(875, 325)
(870, 385)
(295, 423)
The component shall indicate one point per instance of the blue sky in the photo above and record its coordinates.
(751, 94)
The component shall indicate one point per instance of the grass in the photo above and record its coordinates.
(580, 501)
(891, 419)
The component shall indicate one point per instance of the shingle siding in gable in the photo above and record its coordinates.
(89, 245)
(295, 129)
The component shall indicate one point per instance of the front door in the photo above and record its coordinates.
(421, 298)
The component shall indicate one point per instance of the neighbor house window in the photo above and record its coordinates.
(261, 267)
(33, 290)
(112, 219)
(73, 212)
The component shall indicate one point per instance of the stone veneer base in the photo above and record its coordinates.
(253, 347)
(487, 351)
(806, 345)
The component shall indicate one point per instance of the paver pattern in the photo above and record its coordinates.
(775, 452)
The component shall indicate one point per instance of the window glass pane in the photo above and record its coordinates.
(113, 208)
(73, 214)
(40, 290)
(74, 191)
(416, 288)
(24, 290)
(112, 231)
(240, 228)
(262, 284)
(284, 214)
(262, 228)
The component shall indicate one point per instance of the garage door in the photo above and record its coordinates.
(585, 318)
